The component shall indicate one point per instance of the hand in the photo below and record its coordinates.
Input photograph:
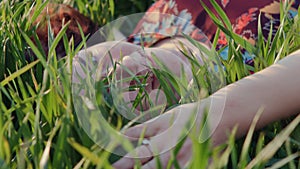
(132, 61)
(163, 133)
(141, 63)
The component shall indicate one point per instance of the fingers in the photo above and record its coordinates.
(155, 104)
(147, 129)
(163, 159)
(101, 57)
(153, 126)
(143, 155)
(115, 48)
(124, 163)
(182, 158)
(130, 159)
(132, 64)
(160, 143)
(170, 60)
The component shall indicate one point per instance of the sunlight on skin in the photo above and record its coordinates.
(279, 101)
(275, 88)
(137, 60)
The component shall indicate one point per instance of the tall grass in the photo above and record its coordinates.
(38, 125)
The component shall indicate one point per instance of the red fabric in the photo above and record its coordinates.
(243, 16)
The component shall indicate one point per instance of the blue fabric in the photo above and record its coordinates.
(246, 56)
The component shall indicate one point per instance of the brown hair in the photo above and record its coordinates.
(60, 14)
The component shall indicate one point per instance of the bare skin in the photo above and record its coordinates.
(276, 89)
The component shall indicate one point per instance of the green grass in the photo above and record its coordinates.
(38, 124)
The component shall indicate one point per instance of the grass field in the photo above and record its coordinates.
(38, 124)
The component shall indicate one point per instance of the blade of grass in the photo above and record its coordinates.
(246, 146)
(18, 73)
(271, 148)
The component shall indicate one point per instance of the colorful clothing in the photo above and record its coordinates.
(243, 16)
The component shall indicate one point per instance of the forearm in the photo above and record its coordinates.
(275, 89)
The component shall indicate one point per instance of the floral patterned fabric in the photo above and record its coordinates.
(242, 14)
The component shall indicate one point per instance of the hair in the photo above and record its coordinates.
(58, 15)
